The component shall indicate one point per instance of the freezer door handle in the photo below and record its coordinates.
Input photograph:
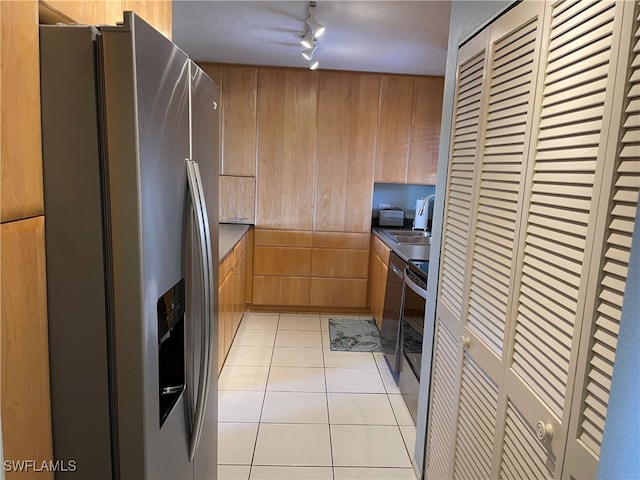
(196, 194)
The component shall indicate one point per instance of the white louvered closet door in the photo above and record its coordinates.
(468, 111)
(619, 203)
(501, 174)
(559, 234)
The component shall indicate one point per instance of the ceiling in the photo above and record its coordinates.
(373, 36)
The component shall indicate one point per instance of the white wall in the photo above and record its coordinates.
(620, 454)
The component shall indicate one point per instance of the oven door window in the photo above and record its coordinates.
(413, 322)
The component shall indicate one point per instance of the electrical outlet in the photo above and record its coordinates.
(384, 205)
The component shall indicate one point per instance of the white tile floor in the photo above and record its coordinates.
(290, 408)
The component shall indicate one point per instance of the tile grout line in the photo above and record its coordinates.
(264, 399)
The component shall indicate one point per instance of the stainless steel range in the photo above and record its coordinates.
(411, 335)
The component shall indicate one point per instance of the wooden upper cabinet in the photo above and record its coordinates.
(237, 197)
(347, 122)
(394, 128)
(109, 12)
(287, 124)
(425, 130)
(239, 98)
(21, 159)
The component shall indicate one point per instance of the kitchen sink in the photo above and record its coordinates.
(409, 237)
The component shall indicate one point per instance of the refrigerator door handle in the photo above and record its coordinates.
(204, 245)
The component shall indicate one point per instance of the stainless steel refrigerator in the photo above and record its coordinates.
(130, 158)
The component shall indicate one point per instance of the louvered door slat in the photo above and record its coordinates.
(442, 408)
(460, 184)
(522, 454)
(511, 86)
(504, 152)
(621, 221)
(476, 428)
(566, 10)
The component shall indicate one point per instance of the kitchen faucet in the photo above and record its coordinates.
(420, 211)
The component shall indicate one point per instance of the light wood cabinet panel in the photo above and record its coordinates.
(238, 294)
(338, 292)
(378, 267)
(425, 130)
(232, 295)
(287, 118)
(394, 128)
(237, 199)
(287, 261)
(226, 267)
(282, 238)
(156, 13)
(379, 247)
(358, 241)
(248, 279)
(377, 287)
(339, 263)
(225, 302)
(21, 193)
(286, 291)
(347, 123)
(26, 412)
(239, 98)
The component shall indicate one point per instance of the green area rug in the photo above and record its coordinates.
(349, 335)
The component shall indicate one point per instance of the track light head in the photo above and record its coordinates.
(307, 40)
(317, 29)
(313, 65)
(308, 53)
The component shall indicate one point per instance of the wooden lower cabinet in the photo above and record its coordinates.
(310, 269)
(339, 292)
(378, 266)
(286, 291)
(231, 295)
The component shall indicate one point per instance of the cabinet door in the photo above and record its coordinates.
(394, 128)
(287, 124)
(26, 414)
(291, 291)
(339, 292)
(377, 286)
(237, 199)
(347, 119)
(225, 319)
(21, 161)
(425, 130)
(239, 98)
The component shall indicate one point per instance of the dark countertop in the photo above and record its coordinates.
(405, 252)
(228, 237)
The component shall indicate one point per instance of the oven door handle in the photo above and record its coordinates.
(414, 286)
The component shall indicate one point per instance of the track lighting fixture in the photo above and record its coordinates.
(307, 53)
(315, 27)
(313, 31)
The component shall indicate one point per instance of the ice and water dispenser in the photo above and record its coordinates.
(171, 330)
